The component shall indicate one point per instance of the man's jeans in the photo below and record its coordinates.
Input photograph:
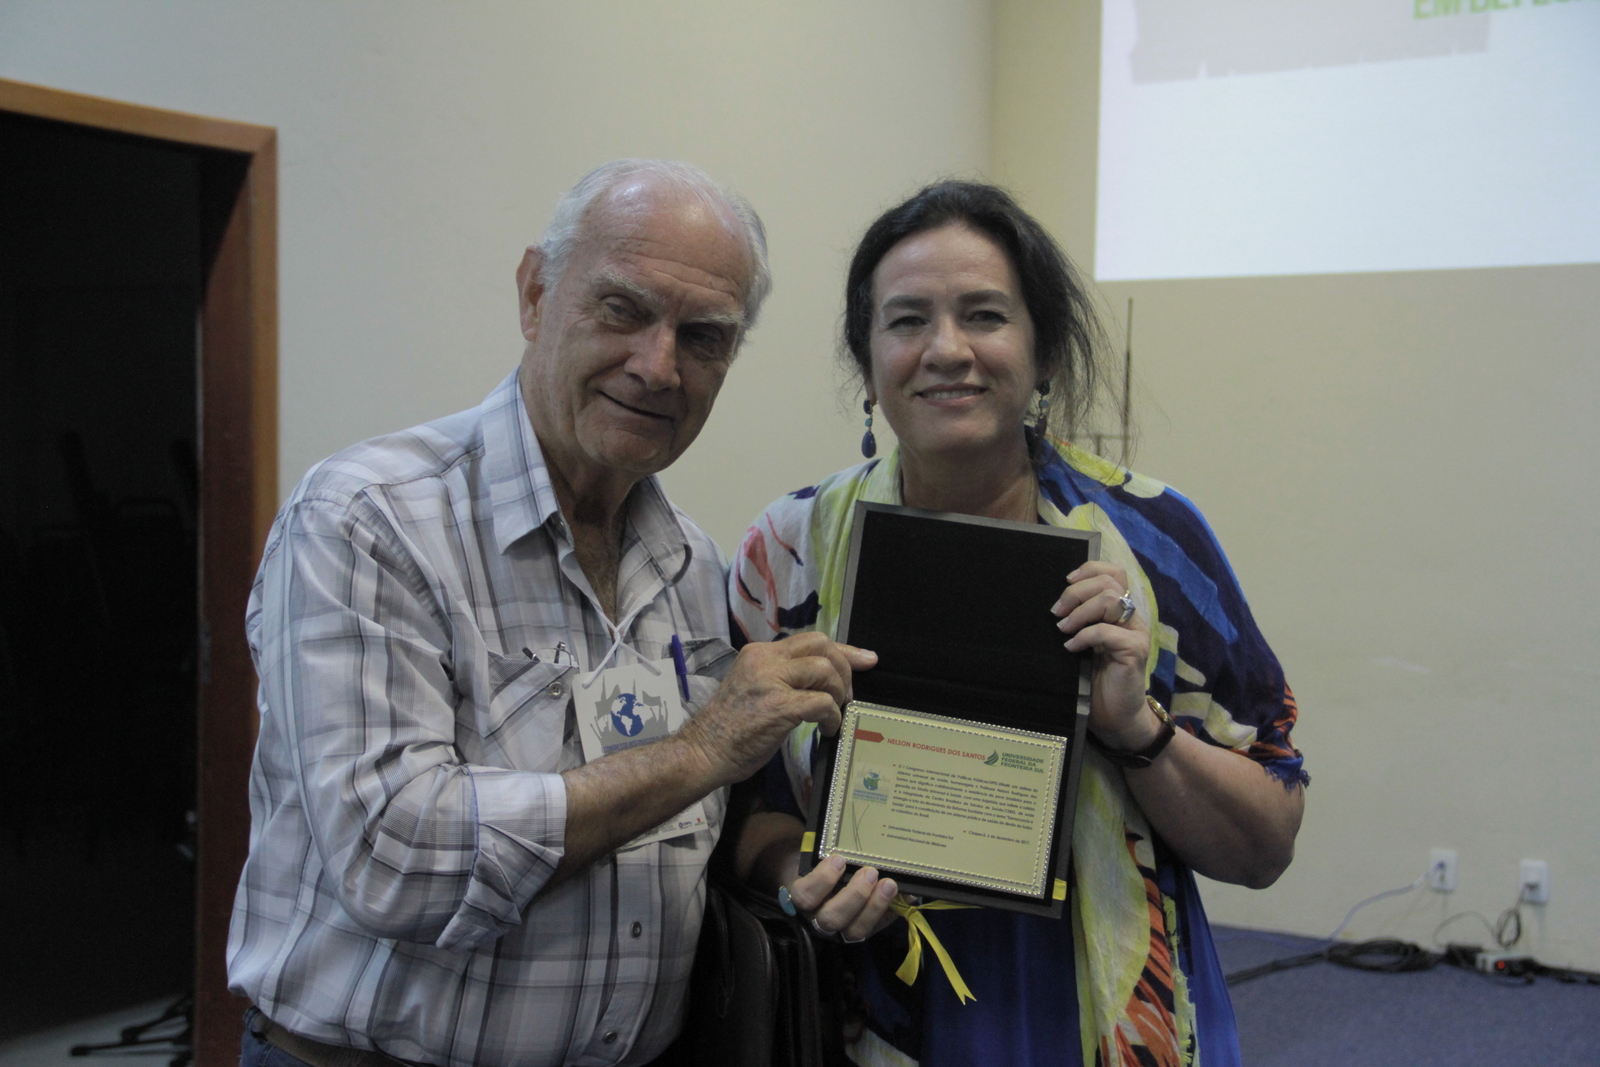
(256, 1051)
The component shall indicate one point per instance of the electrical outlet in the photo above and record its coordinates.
(1535, 884)
(1442, 870)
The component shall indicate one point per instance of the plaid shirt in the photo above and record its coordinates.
(406, 801)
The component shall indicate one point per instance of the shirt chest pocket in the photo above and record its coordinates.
(708, 661)
(522, 722)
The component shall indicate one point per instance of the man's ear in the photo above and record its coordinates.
(530, 289)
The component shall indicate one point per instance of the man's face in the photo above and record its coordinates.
(626, 353)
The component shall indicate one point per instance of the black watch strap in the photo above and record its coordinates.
(1146, 755)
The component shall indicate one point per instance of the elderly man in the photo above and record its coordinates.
(493, 737)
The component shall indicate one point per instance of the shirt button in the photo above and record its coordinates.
(638, 928)
(556, 689)
(610, 1037)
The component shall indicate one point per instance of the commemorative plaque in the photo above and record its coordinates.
(956, 768)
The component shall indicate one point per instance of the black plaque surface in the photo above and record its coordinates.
(958, 610)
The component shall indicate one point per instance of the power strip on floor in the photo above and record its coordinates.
(1507, 964)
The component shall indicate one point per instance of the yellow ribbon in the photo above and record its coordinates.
(917, 928)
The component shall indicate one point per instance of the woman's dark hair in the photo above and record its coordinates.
(1067, 336)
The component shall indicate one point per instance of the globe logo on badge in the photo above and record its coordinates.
(625, 715)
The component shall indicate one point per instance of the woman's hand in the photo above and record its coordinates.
(1222, 813)
(855, 912)
(768, 856)
(1091, 610)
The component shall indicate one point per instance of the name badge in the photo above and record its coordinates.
(631, 706)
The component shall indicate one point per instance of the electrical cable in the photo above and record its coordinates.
(1273, 966)
(1510, 919)
(1384, 954)
(1390, 955)
(1421, 880)
(1364, 955)
(1506, 930)
(1487, 925)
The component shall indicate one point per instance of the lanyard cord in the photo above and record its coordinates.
(618, 642)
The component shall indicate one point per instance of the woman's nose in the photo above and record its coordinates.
(946, 347)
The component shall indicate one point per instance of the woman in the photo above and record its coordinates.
(965, 322)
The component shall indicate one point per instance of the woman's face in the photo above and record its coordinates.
(952, 344)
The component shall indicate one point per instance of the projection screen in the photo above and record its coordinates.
(1262, 137)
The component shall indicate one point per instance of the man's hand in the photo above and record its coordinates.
(772, 688)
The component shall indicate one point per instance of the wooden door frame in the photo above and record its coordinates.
(238, 432)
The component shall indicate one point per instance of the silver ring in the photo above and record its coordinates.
(850, 940)
(1126, 600)
(827, 935)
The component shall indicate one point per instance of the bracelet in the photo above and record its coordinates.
(1145, 756)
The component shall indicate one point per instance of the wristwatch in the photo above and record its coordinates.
(1146, 755)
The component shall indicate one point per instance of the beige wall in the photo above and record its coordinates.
(1401, 466)
(1403, 470)
(423, 144)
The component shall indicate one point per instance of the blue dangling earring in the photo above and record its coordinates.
(869, 443)
(1038, 445)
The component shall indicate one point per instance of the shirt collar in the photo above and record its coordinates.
(655, 521)
(522, 499)
(520, 495)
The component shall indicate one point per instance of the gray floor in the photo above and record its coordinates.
(1323, 1015)
(1320, 1015)
(50, 1048)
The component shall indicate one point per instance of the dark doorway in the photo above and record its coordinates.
(101, 280)
(138, 411)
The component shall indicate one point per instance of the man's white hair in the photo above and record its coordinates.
(566, 225)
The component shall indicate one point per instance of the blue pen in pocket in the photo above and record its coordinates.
(681, 666)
